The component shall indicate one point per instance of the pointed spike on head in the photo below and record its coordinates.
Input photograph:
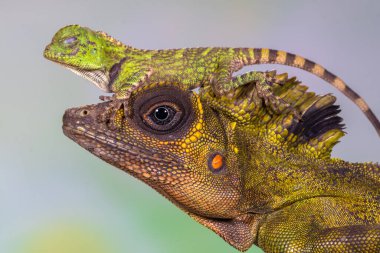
(111, 39)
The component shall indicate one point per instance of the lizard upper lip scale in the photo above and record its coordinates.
(70, 131)
(111, 141)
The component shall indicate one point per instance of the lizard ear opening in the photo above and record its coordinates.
(216, 162)
(165, 112)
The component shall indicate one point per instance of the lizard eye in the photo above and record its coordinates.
(163, 116)
(70, 40)
(164, 111)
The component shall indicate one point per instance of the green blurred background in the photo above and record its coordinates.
(57, 198)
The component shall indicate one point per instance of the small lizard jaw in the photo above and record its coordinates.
(98, 77)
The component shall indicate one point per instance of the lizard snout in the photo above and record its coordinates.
(79, 116)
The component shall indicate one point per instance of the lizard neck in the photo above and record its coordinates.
(274, 177)
(116, 53)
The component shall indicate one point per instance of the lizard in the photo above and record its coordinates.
(251, 176)
(118, 68)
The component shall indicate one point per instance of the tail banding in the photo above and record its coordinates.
(252, 56)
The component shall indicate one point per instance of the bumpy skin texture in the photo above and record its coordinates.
(249, 174)
(115, 67)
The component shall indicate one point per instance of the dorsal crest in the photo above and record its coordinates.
(314, 131)
(111, 39)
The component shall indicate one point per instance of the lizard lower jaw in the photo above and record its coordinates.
(98, 77)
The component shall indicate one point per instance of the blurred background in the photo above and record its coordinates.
(56, 197)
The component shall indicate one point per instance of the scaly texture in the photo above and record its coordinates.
(251, 175)
(115, 67)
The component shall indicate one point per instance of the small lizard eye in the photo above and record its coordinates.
(70, 40)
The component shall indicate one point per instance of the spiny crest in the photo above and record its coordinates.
(314, 131)
(111, 39)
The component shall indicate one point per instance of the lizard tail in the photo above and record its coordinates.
(251, 56)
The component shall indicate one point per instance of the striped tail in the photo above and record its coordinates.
(252, 56)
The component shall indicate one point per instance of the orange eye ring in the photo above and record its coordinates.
(216, 162)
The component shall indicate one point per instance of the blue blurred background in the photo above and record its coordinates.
(57, 198)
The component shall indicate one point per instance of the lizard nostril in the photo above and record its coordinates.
(83, 113)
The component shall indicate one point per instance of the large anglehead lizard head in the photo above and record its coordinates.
(88, 53)
(165, 142)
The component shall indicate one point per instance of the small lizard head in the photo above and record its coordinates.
(164, 141)
(77, 46)
(87, 53)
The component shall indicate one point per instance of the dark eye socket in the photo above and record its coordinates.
(163, 112)
(70, 40)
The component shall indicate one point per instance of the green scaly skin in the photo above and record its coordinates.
(274, 183)
(115, 67)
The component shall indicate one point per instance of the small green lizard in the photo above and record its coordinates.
(115, 67)
(250, 176)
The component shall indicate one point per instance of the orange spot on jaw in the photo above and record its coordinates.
(217, 162)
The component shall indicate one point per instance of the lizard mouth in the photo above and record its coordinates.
(99, 77)
(110, 146)
(129, 158)
(90, 140)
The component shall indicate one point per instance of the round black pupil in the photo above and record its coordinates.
(161, 113)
